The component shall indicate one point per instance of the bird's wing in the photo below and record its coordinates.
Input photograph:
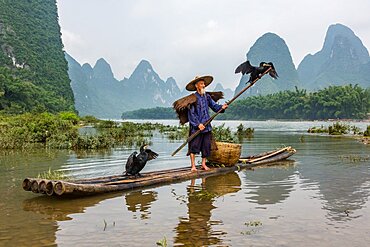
(273, 72)
(216, 95)
(130, 162)
(244, 68)
(151, 155)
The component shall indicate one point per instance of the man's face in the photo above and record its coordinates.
(200, 86)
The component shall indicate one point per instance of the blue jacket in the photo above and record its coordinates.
(198, 113)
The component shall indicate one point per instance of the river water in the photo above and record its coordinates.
(320, 197)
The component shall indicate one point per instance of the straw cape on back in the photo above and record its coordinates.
(182, 105)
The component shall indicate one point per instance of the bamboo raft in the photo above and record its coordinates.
(119, 182)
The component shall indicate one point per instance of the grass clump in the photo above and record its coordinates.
(53, 175)
(162, 242)
(338, 129)
(367, 131)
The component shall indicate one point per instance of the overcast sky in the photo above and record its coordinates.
(195, 37)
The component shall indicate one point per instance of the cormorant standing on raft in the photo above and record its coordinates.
(136, 162)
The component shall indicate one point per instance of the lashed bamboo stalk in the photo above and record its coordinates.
(42, 186)
(35, 185)
(50, 188)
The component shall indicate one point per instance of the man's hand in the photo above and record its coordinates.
(225, 106)
(201, 127)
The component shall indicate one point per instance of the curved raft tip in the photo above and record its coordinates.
(26, 184)
(59, 188)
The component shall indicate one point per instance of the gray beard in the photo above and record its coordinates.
(202, 91)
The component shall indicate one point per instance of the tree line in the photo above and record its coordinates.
(335, 102)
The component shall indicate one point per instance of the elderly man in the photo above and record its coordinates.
(198, 114)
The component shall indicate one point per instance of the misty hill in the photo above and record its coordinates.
(271, 48)
(98, 93)
(342, 60)
(33, 70)
(228, 93)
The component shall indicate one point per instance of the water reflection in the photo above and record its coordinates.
(140, 201)
(59, 209)
(196, 228)
(270, 185)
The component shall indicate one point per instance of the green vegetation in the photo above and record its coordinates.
(367, 131)
(162, 242)
(63, 131)
(336, 128)
(222, 134)
(33, 70)
(355, 158)
(343, 102)
(253, 227)
(53, 175)
(244, 132)
(334, 102)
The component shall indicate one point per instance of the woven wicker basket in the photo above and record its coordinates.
(227, 153)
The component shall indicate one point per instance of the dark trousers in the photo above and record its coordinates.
(201, 143)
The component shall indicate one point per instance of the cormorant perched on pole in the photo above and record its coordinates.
(256, 72)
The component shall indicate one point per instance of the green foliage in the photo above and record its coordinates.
(61, 131)
(334, 102)
(367, 131)
(244, 132)
(336, 128)
(69, 116)
(33, 70)
(222, 134)
(315, 129)
(89, 119)
(162, 242)
(52, 175)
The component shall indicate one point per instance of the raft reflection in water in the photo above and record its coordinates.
(196, 228)
(140, 201)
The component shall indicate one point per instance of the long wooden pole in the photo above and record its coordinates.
(191, 137)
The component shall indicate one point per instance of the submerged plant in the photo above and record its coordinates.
(53, 175)
(162, 242)
(367, 131)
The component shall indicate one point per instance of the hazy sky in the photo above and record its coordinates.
(195, 37)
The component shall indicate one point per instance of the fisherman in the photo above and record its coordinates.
(196, 107)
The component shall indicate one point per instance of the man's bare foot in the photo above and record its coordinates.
(193, 169)
(206, 168)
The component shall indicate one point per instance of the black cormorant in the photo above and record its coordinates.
(136, 162)
(256, 72)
